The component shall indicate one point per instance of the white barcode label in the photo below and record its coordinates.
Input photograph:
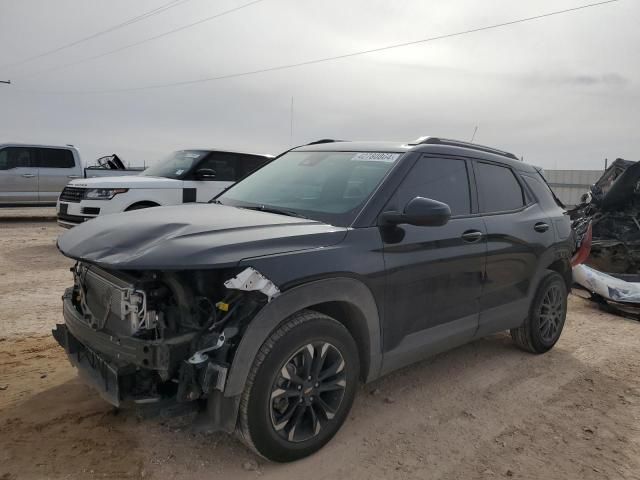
(375, 157)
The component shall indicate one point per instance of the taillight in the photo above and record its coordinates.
(585, 248)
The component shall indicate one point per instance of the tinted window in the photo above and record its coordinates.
(498, 188)
(56, 158)
(250, 163)
(541, 190)
(445, 180)
(17, 157)
(224, 164)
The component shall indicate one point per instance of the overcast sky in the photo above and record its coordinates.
(564, 92)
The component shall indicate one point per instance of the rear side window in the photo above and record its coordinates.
(498, 188)
(56, 158)
(17, 157)
(224, 164)
(249, 163)
(442, 179)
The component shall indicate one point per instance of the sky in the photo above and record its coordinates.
(563, 92)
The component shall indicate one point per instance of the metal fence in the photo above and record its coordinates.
(570, 185)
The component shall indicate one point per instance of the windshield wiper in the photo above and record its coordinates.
(288, 213)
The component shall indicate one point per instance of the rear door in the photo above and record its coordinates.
(518, 233)
(57, 166)
(227, 170)
(18, 175)
(434, 274)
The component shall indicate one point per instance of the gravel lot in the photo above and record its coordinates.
(485, 410)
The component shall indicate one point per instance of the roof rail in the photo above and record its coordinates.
(325, 140)
(459, 143)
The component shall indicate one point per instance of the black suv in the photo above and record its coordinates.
(336, 262)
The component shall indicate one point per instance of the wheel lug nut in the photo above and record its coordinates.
(311, 398)
(316, 385)
(299, 387)
(308, 378)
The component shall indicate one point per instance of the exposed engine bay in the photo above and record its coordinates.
(150, 337)
(612, 207)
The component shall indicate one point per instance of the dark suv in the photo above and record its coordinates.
(336, 262)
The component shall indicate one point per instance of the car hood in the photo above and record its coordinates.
(127, 181)
(194, 236)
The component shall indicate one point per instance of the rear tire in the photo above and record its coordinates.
(547, 315)
(300, 388)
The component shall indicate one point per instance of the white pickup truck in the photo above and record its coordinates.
(186, 176)
(36, 174)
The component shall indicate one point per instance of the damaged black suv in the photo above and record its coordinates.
(336, 263)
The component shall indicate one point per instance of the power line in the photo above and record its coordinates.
(146, 40)
(143, 16)
(339, 57)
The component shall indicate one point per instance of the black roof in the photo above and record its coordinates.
(424, 144)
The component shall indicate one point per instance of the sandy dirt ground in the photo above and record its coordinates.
(485, 410)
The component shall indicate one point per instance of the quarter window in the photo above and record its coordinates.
(56, 158)
(498, 188)
(442, 179)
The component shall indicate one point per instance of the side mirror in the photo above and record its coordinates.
(205, 174)
(420, 211)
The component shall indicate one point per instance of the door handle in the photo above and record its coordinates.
(471, 236)
(73, 176)
(541, 227)
(28, 175)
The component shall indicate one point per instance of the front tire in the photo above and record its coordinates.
(547, 316)
(300, 388)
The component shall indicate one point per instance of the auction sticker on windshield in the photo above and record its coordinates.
(375, 157)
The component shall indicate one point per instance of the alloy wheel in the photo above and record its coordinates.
(308, 391)
(551, 313)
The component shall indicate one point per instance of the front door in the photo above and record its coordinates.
(18, 175)
(434, 274)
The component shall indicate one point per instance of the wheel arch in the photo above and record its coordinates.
(141, 204)
(563, 267)
(347, 300)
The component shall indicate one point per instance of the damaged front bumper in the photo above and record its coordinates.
(111, 363)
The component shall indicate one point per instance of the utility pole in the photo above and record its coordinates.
(8, 82)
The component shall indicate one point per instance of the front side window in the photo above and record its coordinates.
(17, 157)
(498, 188)
(328, 186)
(177, 165)
(442, 179)
(56, 158)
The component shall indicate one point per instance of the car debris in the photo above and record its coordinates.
(250, 280)
(607, 229)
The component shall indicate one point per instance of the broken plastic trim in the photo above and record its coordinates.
(607, 286)
(250, 280)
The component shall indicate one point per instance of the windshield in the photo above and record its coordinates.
(328, 186)
(176, 165)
